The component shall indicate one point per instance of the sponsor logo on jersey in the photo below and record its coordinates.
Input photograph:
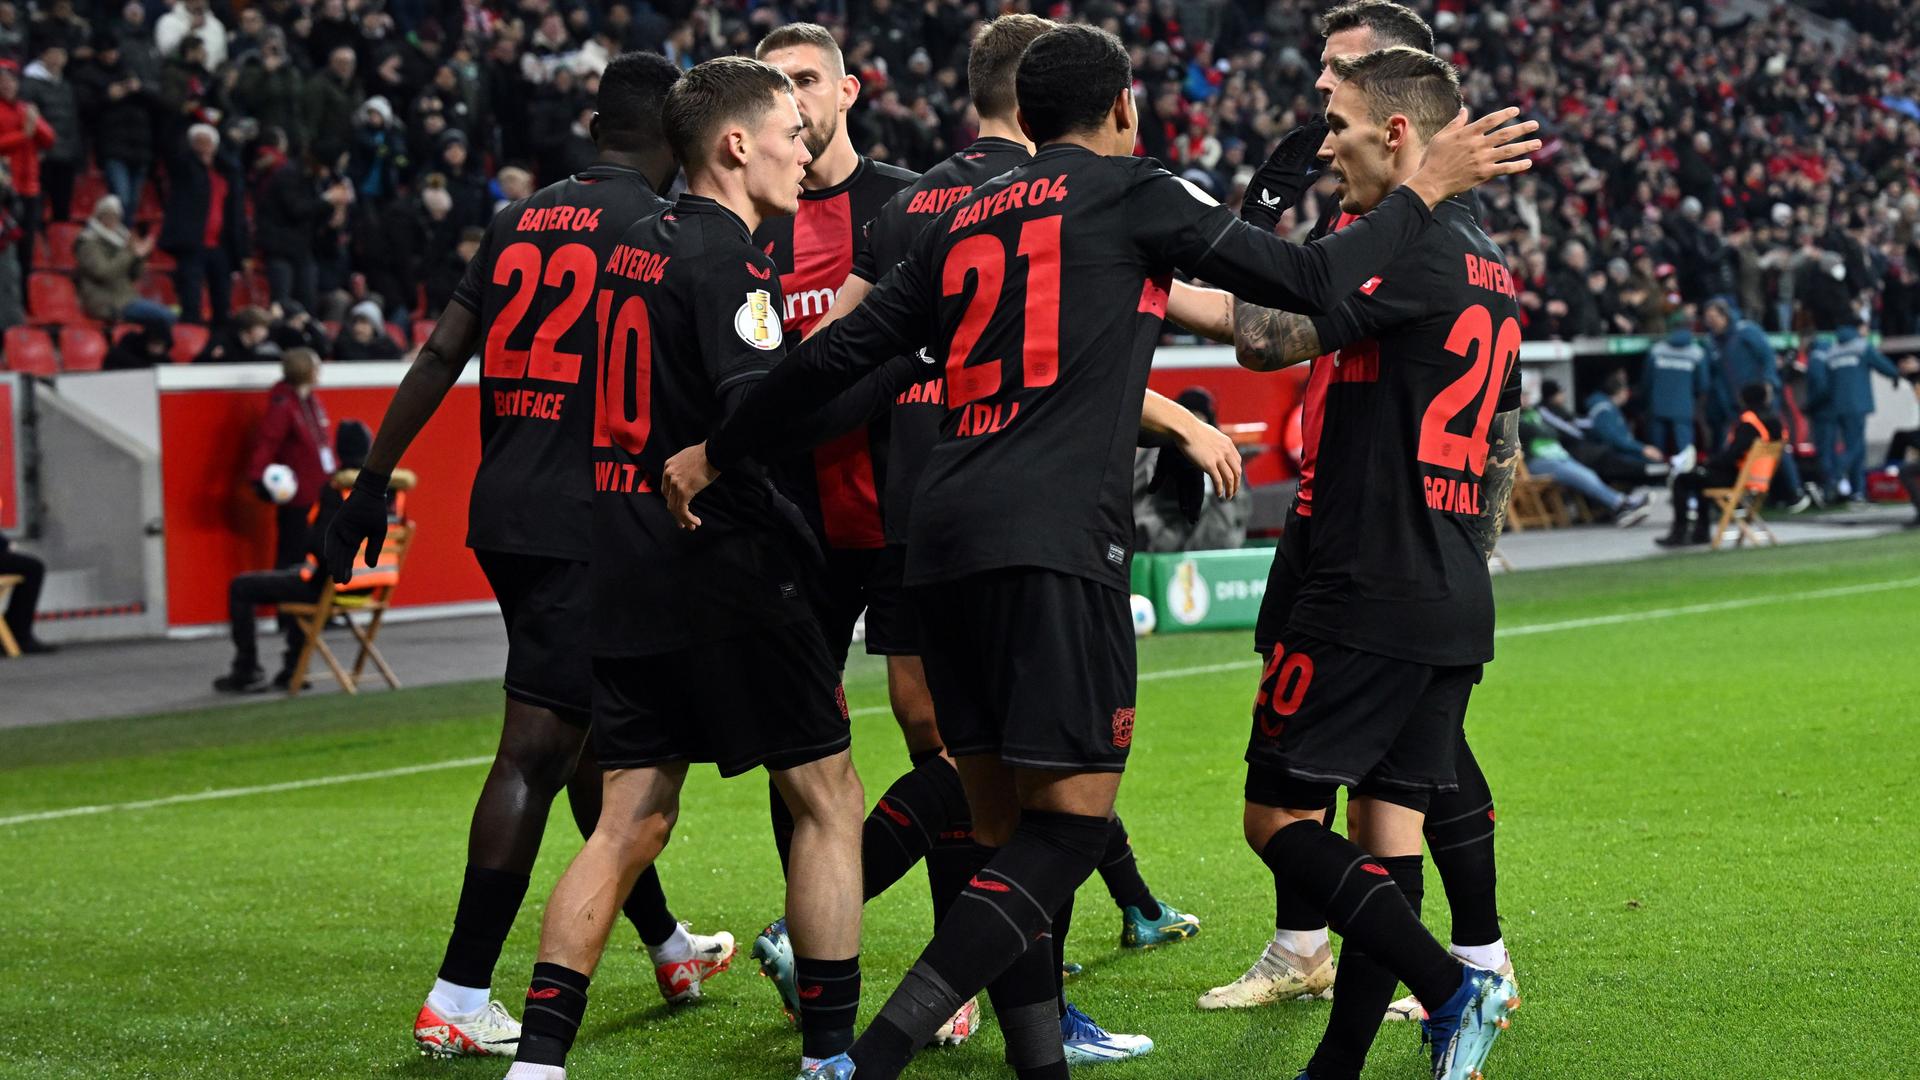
(1188, 594)
(1487, 274)
(558, 218)
(1027, 193)
(637, 264)
(755, 324)
(763, 273)
(809, 303)
(937, 200)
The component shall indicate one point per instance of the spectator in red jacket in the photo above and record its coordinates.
(23, 135)
(296, 433)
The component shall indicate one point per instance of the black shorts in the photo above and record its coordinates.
(837, 592)
(893, 628)
(1283, 581)
(544, 601)
(1033, 665)
(771, 697)
(1328, 715)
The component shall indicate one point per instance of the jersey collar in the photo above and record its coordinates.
(990, 143)
(859, 169)
(689, 203)
(601, 170)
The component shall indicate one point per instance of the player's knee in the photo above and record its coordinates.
(1260, 824)
(917, 727)
(993, 826)
(827, 791)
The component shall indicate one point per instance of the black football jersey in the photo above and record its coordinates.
(837, 484)
(690, 317)
(1424, 356)
(1040, 296)
(913, 421)
(532, 284)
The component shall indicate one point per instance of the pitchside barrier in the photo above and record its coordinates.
(129, 484)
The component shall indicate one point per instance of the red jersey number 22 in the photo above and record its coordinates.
(1493, 355)
(519, 265)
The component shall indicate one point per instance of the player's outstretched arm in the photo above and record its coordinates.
(1496, 485)
(363, 517)
(1207, 312)
(852, 291)
(1265, 339)
(1207, 447)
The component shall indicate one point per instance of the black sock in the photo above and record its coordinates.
(556, 1001)
(489, 899)
(782, 825)
(646, 908)
(1359, 898)
(1459, 832)
(1005, 908)
(1122, 875)
(1362, 990)
(1062, 923)
(829, 1003)
(1291, 911)
(908, 819)
(1025, 1004)
(953, 859)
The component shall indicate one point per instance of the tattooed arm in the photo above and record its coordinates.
(1496, 487)
(1267, 340)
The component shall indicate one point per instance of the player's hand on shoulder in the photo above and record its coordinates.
(686, 475)
(1467, 154)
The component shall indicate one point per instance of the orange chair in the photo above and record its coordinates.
(370, 591)
(51, 298)
(82, 348)
(189, 341)
(1740, 504)
(30, 351)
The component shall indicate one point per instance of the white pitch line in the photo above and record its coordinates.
(234, 793)
(871, 710)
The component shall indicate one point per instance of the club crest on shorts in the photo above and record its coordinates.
(1123, 727)
(755, 322)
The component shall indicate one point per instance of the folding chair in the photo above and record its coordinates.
(371, 590)
(1740, 504)
(1535, 503)
(8, 583)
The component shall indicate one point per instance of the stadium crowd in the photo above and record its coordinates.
(346, 152)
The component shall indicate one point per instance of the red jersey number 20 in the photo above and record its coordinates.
(1493, 355)
(520, 267)
(985, 257)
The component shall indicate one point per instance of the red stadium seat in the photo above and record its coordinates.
(161, 260)
(60, 237)
(189, 341)
(159, 288)
(82, 348)
(422, 330)
(51, 298)
(123, 329)
(87, 189)
(30, 350)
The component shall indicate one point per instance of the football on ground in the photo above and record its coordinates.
(1704, 771)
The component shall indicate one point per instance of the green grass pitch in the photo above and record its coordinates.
(1708, 868)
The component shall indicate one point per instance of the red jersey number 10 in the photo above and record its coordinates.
(520, 267)
(985, 257)
(626, 370)
(1493, 356)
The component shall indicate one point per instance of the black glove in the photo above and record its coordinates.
(1280, 181)
(361, 518)
(1189, 483)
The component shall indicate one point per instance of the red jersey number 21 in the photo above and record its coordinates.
(985, 257)
(1493, 355)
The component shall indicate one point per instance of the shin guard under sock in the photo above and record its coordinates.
(1291, 911)
(1005, 908)
(1121, 874)
(1362, 903)
(646, 908)
(556, 1002)
(829, 1000)
(1026, 1006)
(1459, 831)
(1361, 992)
(953, 859)
(908, 821)
(489, 900)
